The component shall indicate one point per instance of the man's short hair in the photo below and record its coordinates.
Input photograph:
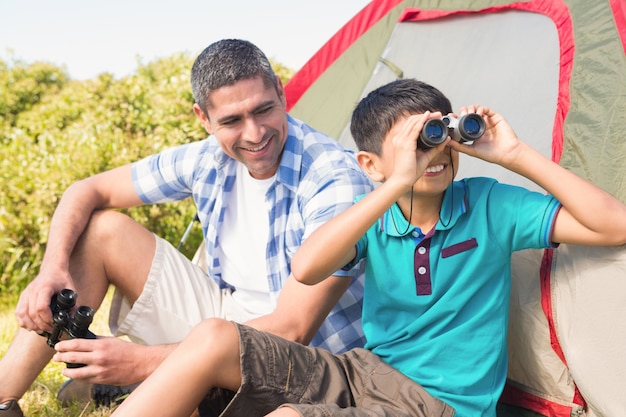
(226, 62)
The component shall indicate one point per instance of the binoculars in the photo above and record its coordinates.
(75, 327)
(466, 128)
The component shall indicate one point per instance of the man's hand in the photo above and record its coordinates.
(33, 308)
(109, 360)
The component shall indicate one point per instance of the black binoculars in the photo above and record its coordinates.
(75, 327)
(466, 128)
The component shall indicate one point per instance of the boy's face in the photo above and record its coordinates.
(249, 121)
(437, 177)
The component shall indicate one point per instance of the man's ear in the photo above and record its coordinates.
(204, 118)
(281, 91)
(369, 163)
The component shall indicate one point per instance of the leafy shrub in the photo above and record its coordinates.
(54, 131)
(22, 86)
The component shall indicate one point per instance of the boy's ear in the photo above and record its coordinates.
(369, 163)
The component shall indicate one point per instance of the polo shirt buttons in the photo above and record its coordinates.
(421, 265)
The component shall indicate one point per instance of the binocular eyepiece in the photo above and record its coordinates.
(466, 128)
(76, 327)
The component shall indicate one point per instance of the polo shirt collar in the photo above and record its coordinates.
(454, 205)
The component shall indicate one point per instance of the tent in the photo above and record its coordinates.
(556, 69)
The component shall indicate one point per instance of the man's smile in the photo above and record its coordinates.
(259, 148)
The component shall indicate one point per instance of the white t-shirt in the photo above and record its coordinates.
(243, 243)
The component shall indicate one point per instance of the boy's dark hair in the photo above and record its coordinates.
(224, 63)
(376, 114)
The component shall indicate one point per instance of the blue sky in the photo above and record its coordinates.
(90, 37)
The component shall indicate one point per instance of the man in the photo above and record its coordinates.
(262, 181)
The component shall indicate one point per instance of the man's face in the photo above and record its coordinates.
(250, 124)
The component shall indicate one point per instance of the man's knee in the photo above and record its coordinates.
(113, 249)
(105, 225)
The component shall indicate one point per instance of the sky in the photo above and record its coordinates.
(89, 37)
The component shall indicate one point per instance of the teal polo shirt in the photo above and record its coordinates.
(436, 305)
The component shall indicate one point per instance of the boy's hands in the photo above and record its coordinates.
(409, 162)
(499, 144)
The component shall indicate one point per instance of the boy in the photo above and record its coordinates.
(437, 256)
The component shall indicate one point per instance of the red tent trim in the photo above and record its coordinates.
(336, 46)
(619, 13)
(545, 275)
(558, 12)
(515, 396)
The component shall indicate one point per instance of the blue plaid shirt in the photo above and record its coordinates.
(316, 180)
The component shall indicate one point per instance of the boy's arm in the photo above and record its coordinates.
(589, 216)
(332, 246)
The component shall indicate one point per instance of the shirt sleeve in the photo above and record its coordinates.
(335, 194)
(166, 176)
(530, 216)
(361, 245)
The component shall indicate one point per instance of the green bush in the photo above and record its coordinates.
(22, 86)
(54, 131)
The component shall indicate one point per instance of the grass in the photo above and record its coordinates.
(40, 400)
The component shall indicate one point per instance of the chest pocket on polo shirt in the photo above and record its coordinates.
(459, 247)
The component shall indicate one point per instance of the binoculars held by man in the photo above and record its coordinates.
(76, 326)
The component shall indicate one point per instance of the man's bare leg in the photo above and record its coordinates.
(26, 357)
(114, 249)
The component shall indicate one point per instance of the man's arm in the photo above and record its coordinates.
(301, 309)
(110, 360)
(111, 189)
(299, 313)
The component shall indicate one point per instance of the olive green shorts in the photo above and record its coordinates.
(279, 373)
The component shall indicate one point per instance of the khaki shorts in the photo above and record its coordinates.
(177, 295)
(316, 383)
